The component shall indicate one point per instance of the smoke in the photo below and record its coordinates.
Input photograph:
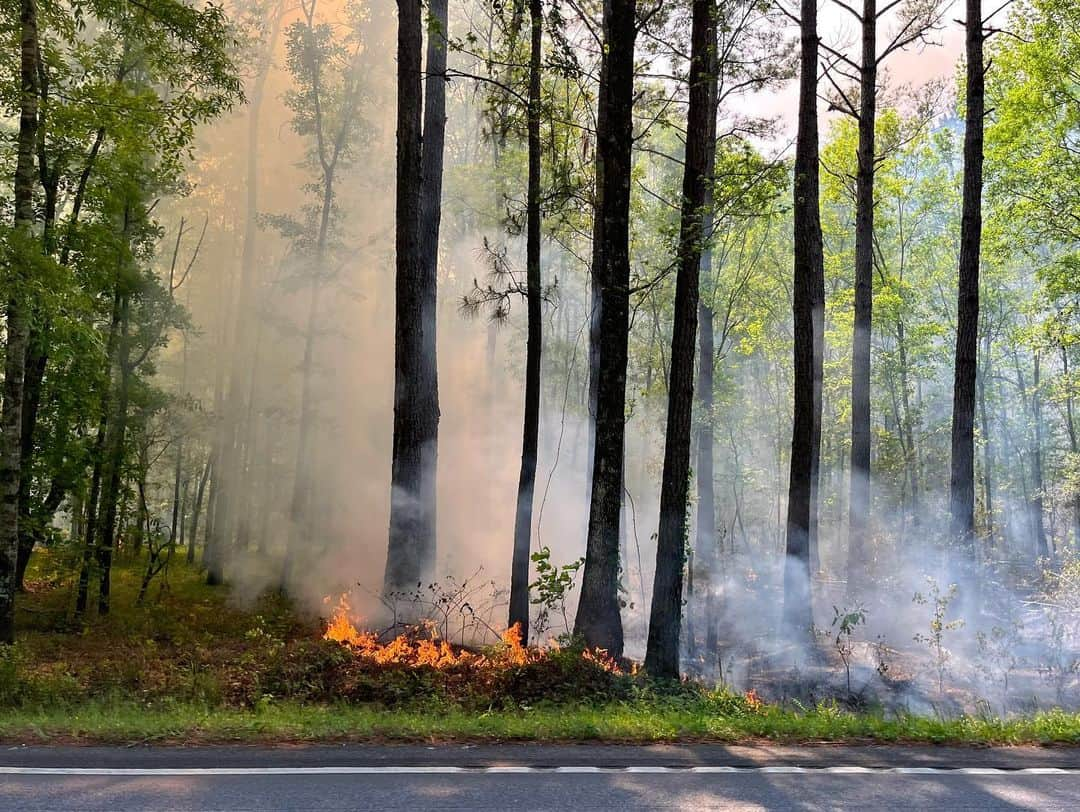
(342, 536)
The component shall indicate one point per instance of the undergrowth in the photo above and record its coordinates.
(188, 666)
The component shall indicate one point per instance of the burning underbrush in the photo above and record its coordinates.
(418, 665)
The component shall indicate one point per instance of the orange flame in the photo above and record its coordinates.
(433, 652)
(399, 651)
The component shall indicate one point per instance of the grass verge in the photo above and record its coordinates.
(125, 722)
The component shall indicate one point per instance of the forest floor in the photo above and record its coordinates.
(187, 666)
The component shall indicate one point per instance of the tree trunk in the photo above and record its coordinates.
(859, 483)
(808, 264)
(18, 324)
(988, 445)
(111, 494)
(177, 506)
(705, 550)
(519, 568)
(962, 475)
(665, 617)
(411, 549)
(29, 533)
(98, 457)
(598, 621)
(1074, 442)
(196, 510)
(1042, 546)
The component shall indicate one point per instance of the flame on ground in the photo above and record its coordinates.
(415, 651)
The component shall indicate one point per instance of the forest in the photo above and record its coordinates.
(714, 352)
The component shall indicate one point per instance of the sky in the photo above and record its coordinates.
(915, 66)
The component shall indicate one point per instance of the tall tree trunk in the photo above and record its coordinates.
(18, 324)
(196, 510)
(962, 475)
(988, 444)
(859, 483)
(911, 462)
(705, 549)
(798, 608)
(599, 248)
(431, 182)
(665, 617)
(597, 620)
(177, 505)
(519, 568)
(111, 493)
(411, 549)
(36, 359)
(1042, 546)
(100, 440)
(1074, 442)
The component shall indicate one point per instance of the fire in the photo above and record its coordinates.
(402, 650)
(340, 629)
(414, 650)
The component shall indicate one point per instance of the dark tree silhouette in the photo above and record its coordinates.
(519, 569)
(962, 481)
(808, 266)
(665, 618)
(18, 323)
(598, 621)
(411, 549)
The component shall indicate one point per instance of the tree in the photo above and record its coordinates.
(598, 621)
(19, 275)
(519, 567)
(798, 616)
(916, 18)
(411, 551)
(665, 619)
(962, 472)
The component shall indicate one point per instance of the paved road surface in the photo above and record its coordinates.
(525, 777)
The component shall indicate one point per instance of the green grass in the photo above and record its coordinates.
(125, 721)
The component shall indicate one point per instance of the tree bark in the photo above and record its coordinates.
(988, 445)
(93, 500)
(962, 475)
(411, 549)
(665, 618)
(859, 483)
(597, 621)
(111, 493)
(1074, 442)
(196, 509)
(18, 324)
(705, 549)
(808, 264)
(519, 568)
(29, 533)
(1035, 500)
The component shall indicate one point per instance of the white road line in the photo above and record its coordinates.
(510, 769)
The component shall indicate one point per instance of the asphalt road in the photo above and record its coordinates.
(526, 777)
